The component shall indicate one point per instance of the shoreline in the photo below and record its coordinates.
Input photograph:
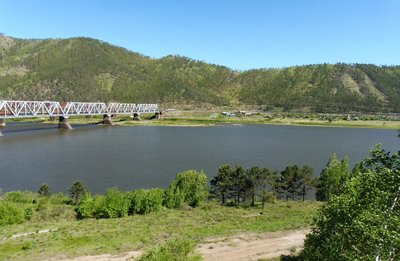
(209, 119)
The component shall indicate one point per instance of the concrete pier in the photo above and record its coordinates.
(107, 120)
(2, 124)
(157, 116)
(63, 123)
(136, 116)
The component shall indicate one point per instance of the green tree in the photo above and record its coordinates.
(77, 191)
(44, 190)
(361, 223)
(239, 184)
(188, 187)
(332, 178)
(252, 180)
(267, 184)
(295, 180)
(221, 183)
(305, 180)
(288, 182)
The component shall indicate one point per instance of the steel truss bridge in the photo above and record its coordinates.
(27, 109)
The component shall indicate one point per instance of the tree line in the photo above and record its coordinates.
(231, 186)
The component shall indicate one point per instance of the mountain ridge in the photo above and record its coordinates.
(87, 69)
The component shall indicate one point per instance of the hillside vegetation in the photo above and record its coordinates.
(86, 69)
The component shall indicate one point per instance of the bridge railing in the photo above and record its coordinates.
(20, 109)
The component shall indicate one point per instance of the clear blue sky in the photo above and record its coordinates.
(239, 34)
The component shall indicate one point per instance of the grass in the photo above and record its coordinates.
(207, 118)
(88, 237)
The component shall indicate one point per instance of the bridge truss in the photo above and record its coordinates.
(26, 109)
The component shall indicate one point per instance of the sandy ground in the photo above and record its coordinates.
(252, 246)
(235, 248)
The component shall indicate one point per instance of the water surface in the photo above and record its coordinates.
(146, 157)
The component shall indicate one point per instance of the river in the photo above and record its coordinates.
(145, 157)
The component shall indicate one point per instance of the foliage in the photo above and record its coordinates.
(267, 184)
(332, 179)
(295, 181)
(220, 184)
(115, 204)
(86, 69)
(362, 222)
(11, 213)
(188, 187)
(86, 207)
(174, 249)
(44, 190)
(77, 191)
(19, 197)
(145, 201)
(235, 184)
(93, 237)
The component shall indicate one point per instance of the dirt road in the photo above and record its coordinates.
(236, 248)
(252, 246)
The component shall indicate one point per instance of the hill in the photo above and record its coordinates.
(86, 69)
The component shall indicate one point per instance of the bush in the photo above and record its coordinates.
(188, 187)
(28, 213)
(145, 201)
(11, 214)
(19, 197)
(115, 204)
(86, 207)
(178, 250)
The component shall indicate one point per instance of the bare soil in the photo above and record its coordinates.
(253, 246)
(244, 246)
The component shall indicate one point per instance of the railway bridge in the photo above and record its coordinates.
(62, 110)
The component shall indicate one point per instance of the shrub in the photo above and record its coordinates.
(86, 207)
(28, 213)
(188, 187)
(19, 197)
(115, 204)
(11, 213)
(178, 250)
(145, 201)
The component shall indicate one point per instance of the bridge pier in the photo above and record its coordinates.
(136, 116)
(157, 116)
(63, 123)
(107, 120)
(2, 124)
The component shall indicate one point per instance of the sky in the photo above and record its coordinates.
(242, 35)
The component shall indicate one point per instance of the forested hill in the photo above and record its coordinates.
(85, 69)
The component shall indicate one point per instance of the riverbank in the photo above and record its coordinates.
(70, 238)
(212, 118)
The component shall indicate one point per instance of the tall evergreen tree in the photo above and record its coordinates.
(221, 183)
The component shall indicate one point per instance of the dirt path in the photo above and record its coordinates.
(252, 246)
(236, 248)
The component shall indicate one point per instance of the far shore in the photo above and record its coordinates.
(199, 118)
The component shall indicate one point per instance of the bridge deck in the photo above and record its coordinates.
(25, 109)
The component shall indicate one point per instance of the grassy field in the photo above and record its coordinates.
(76, 238)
